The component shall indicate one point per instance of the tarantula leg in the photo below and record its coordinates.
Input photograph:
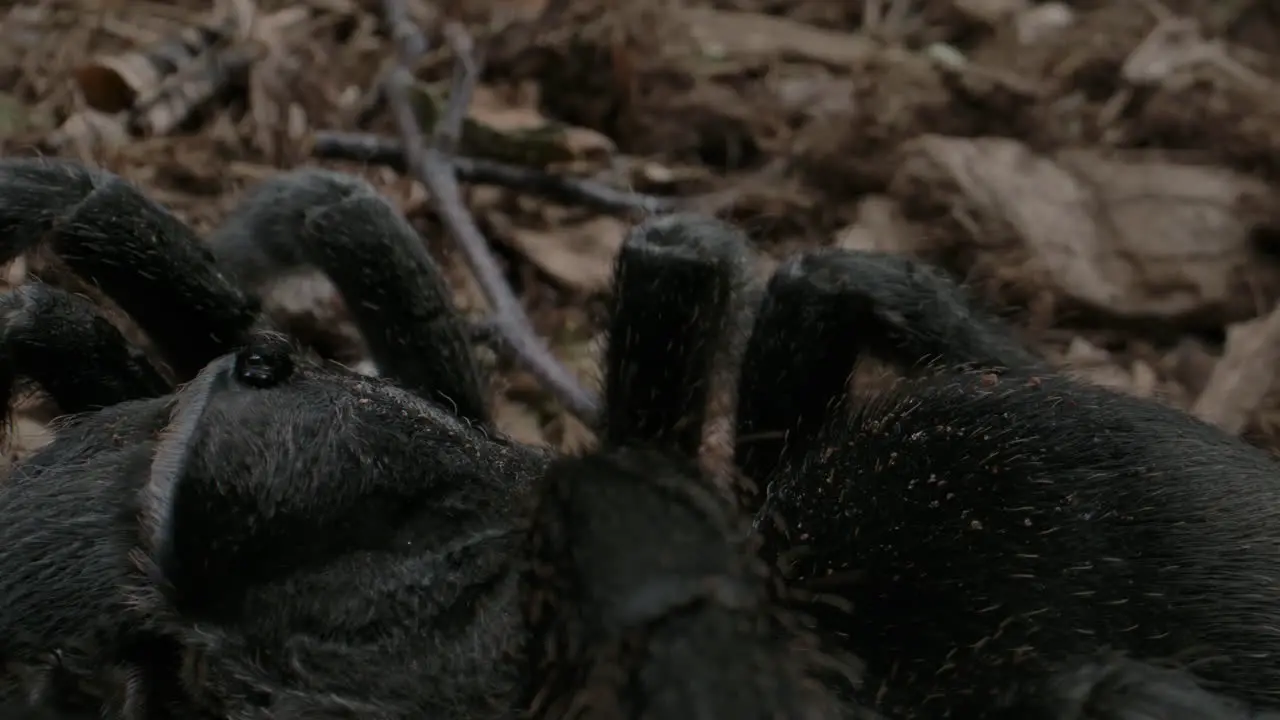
(641, 604)
(674, 283)
(640, 598)
(342, 226)
(821, 312)
(142, 257)
(60, 342)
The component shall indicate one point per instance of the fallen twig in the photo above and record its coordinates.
(367, 148)
(446, 136)
(433, 167)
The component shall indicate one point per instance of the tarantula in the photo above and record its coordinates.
(251, 532)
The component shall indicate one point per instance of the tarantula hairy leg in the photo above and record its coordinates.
(140, 255)
(642, 600)
(648, 607)
(987, 526)
(43, 329)
(830, 308)
(341, 225)
(676, 278)
(155, 268)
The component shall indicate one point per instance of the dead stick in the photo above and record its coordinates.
(376, 149)
(446, 136)
(434, 170)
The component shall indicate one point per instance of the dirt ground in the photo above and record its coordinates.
(1103, 173)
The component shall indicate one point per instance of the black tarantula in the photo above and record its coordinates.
(248, 532)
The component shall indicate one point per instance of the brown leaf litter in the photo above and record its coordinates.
(1104, 172)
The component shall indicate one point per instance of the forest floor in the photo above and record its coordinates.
(1105, 174)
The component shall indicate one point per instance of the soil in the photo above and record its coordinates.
(1102, 173)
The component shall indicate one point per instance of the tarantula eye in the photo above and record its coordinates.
(265, 362)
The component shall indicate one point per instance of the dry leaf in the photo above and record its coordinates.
(519, 422)
(162, 108)
(1244, 375)
(112, 84)
(880, 227)
(1126, 235)
(1178, 44)
(1094, 365)
(1043, 22)
(745, 35)
(992, 12)
(1171, 46)
(26, 435)
(581, 256)
(88, 133)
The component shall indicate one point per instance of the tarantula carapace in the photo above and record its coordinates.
(279, 537)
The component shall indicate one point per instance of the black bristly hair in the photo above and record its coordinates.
(90, 567)
(281, 537)
(641, 601)
(826, 309)
(274, 530)
(141, 256)
(42, 326)
(143, 259)
(674, 290)
(342, 226)
(974, 528)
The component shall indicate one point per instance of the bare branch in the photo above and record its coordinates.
(368, 148)
(433, 168)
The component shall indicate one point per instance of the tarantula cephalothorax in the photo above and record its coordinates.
(283, 538)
